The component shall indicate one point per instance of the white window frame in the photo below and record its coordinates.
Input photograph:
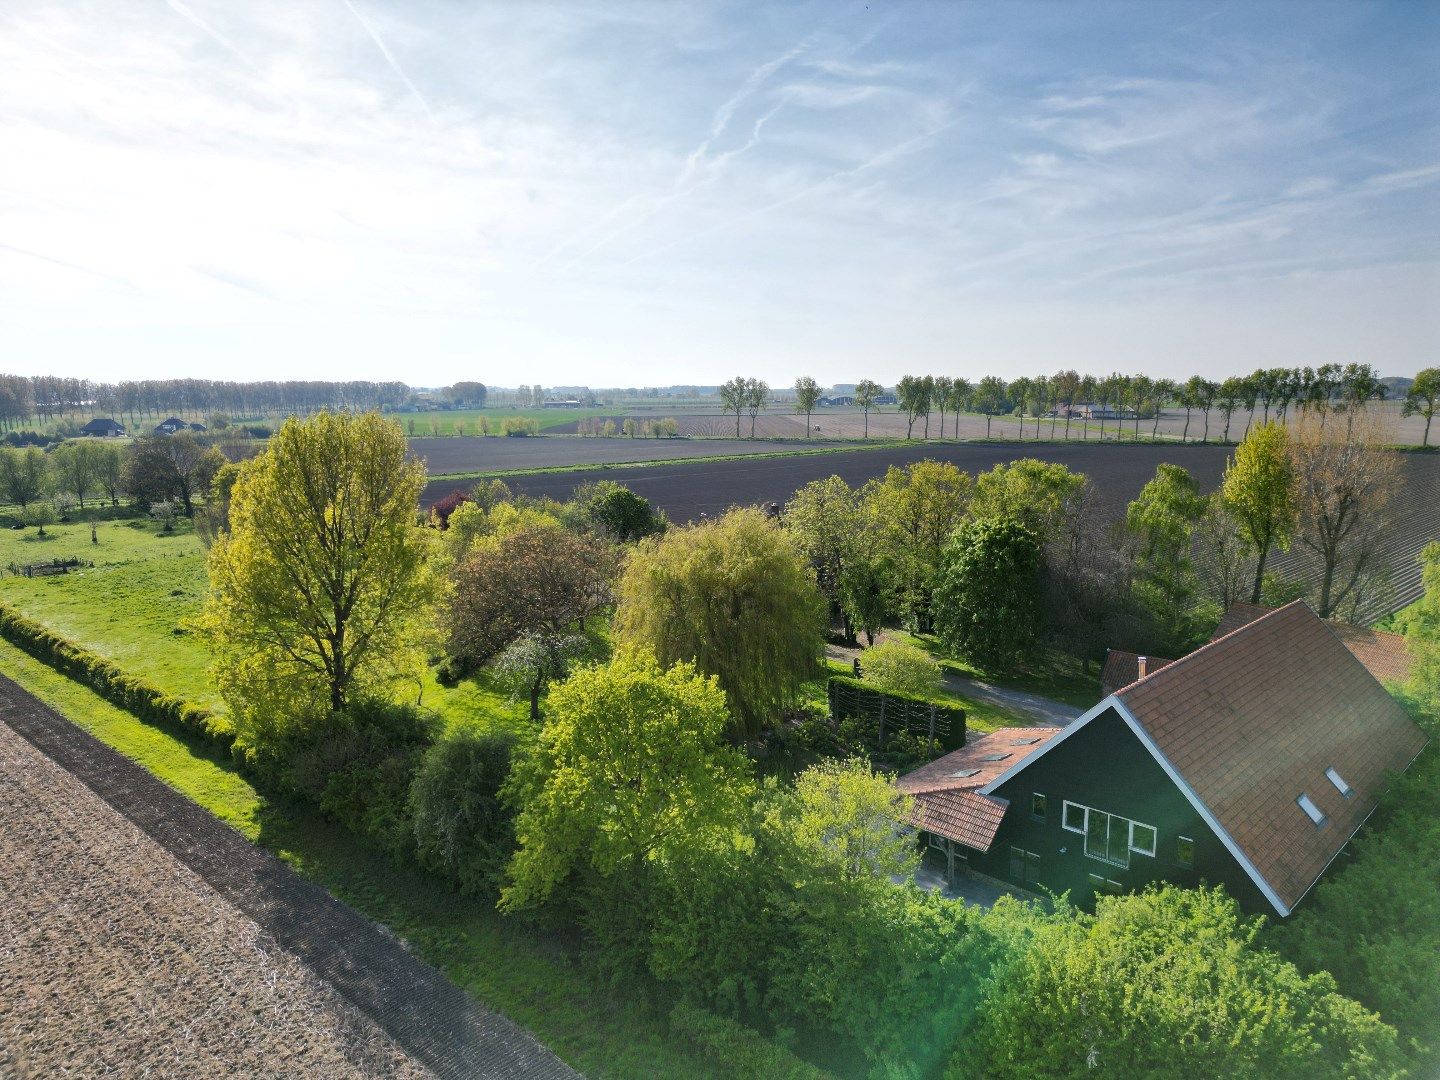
(1313, 812)
(1130, 846)
(1186, 840)
(1339, 781)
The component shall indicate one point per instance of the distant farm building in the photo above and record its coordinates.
(1249, 763)
(567, 403)
(175, 424)
(103, 428)
(1088, 411)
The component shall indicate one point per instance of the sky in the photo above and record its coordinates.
(630, 194)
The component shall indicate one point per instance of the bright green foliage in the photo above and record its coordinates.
(1163, 520)
(473, 525)
(901, 668)
(77, 464)
(866, 391)
(519, 426)
(843, 814)
(735, 597)
(1258, 491)
(987, 605)
(24, 475)
(463, 829)
(320, 591)
(1422, 398)
(990, 399)
(614, 511)
(1167, 983)
(909, 516)
(630, 763)
(807, 396)
(824, 519)
(1038, 494)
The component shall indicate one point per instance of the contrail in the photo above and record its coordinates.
(189, 16)
(882, 158)
(390, 59)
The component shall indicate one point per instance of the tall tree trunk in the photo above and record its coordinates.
(1259, 574)
(1185, 435)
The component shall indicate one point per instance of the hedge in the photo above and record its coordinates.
(849, 698)
(746, 1052)
(111, 682)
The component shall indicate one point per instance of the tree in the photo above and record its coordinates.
(1342, 484)
(944, 389)
(24, 475)
(615, 512)
(77, 465)
(463, 828)
(1422, 397)
(320, 591)
(807, 396)
(1258, 493)
(757, 396)
(901, 668)
(110, 472)
(988, 599)
(912, 394)
(1166, 984)
(735, 597)
(468, 395)
(42, 513)
(824, 518)
(990, 399)
(960, 395)
(1038, 494)
(866, 391)
(171, 467)
(1020, 392)
(1227, 399)
(1226, 560)
(628, 765)
(537, 583)
(732, 399)
(1163, 520)
(909, 516)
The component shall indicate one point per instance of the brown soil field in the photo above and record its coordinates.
(474, 453)
(685, 491)
(116, 960)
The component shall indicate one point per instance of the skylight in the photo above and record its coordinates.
(1339, 782)
(1311, 810)
(1024, 742)
(963, 773)
(994, 757)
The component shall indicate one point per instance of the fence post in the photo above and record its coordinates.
(883, 699)
(931, 744)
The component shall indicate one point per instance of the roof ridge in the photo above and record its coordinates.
(1170, 667)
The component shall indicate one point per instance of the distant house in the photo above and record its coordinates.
(1088, 411)
(196, 427)
(171, 426)
(842, 401)
(1250, 763)
(566, 403)
(103, 427)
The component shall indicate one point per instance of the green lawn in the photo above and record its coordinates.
(538, 982)
(133, 605)
(467, 421)
(1051, 673)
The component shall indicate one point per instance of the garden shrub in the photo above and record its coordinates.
(462, 828)
(742, 1050)
(900, 668)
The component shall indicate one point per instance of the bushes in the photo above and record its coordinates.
(461, 827)
(900, 668)
(740, 1048)
(519, 426)
(111, 682)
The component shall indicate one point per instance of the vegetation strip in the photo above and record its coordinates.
(426, 1014)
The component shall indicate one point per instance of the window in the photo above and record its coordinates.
(963, 773)
(1339, 782)
(1142, 839)
(1037, 806)
(1312, 811)
(1024, 866)
(1184, 851)
(994, 757)
(1108, 837)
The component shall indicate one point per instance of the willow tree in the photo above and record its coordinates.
(736, 598)
(320, 590)
(1259, 492)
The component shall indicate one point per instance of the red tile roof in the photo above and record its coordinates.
(1384, 655)
(949, 804)
(1252, 721)
(1122, 668)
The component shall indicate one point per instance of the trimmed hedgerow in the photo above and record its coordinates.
(111, 682)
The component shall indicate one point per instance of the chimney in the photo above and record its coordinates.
(1143, 664)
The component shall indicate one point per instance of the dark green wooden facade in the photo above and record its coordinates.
(1104, 767)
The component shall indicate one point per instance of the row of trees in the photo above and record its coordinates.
(1121, 398)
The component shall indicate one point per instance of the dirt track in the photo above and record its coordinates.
(115, 958)
(127, 945)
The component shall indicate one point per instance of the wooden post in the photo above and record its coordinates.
(931, 744)
(949, 860)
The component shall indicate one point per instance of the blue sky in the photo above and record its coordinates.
(639, 194)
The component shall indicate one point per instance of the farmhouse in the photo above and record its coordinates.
(103, 427)
(1250, 762)
(170, 426)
